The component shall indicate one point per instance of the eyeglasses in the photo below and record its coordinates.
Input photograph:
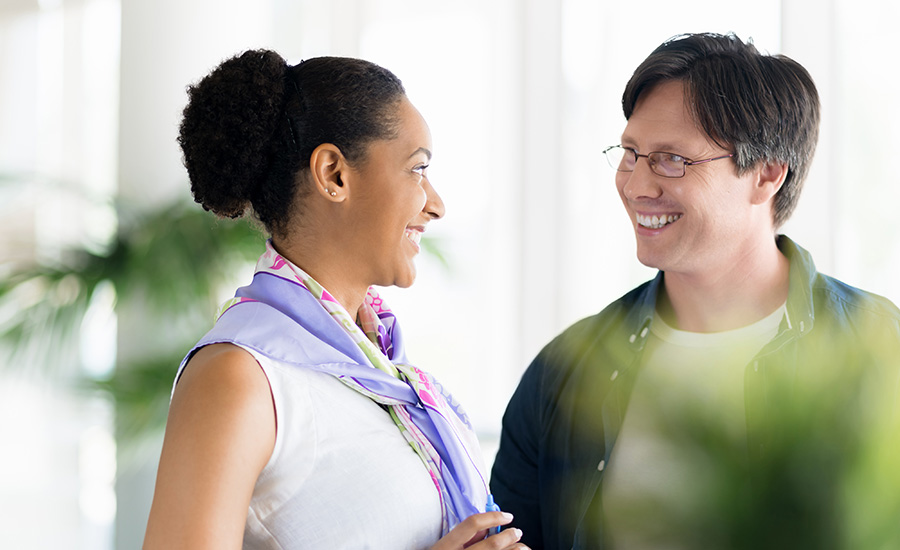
(667, 165)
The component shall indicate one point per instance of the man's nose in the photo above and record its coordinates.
(641, 183)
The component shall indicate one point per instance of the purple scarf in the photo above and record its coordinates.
(285, 315)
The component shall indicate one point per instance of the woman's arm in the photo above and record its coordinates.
(219, 435)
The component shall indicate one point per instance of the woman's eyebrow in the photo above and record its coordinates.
(421, 150)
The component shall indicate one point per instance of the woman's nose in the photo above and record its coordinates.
(434, 205)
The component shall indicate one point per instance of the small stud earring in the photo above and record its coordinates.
(332, 193)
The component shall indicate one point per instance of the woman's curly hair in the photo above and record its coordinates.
(250, 126)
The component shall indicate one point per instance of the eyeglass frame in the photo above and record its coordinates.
(685, 163)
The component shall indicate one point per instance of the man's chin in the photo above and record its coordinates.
(650, 260)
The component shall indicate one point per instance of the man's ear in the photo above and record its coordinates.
(326, 163)
(770, 178)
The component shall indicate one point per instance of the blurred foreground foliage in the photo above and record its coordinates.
(824, 472)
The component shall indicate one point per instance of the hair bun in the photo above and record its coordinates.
(228, 126)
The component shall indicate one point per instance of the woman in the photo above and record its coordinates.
(295, 423)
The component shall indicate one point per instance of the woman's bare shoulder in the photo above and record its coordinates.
(219, 436)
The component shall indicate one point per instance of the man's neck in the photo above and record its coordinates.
(725, 299)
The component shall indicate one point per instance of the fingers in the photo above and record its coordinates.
(504, 540)
(470, 533)
(484, 524)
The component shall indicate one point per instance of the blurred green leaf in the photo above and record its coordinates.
(175, 259)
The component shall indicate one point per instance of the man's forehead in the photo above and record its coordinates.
(662, 121)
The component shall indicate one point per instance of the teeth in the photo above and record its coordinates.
(414, 236)
(656, 221)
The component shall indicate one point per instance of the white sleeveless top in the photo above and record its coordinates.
(341, 474)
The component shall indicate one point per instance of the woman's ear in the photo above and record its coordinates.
(326, 163)
(770, 178)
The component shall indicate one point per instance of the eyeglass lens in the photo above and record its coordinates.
(665, 164)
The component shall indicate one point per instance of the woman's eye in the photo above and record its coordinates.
(421, 169)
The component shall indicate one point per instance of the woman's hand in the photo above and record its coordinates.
(471, 532)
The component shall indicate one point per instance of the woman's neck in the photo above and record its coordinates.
(327, 267)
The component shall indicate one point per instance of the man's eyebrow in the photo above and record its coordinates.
(421, 150)
(662, 147)
(626, 140)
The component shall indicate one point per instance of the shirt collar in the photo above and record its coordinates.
(640, 315)
(800, 309)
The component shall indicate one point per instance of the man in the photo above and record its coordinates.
(730, 401)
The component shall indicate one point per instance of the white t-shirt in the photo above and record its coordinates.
(688, 395)
(341, 474)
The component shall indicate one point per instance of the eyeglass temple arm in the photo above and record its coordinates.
(693, 162)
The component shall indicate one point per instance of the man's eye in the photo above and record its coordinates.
(672, 157)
